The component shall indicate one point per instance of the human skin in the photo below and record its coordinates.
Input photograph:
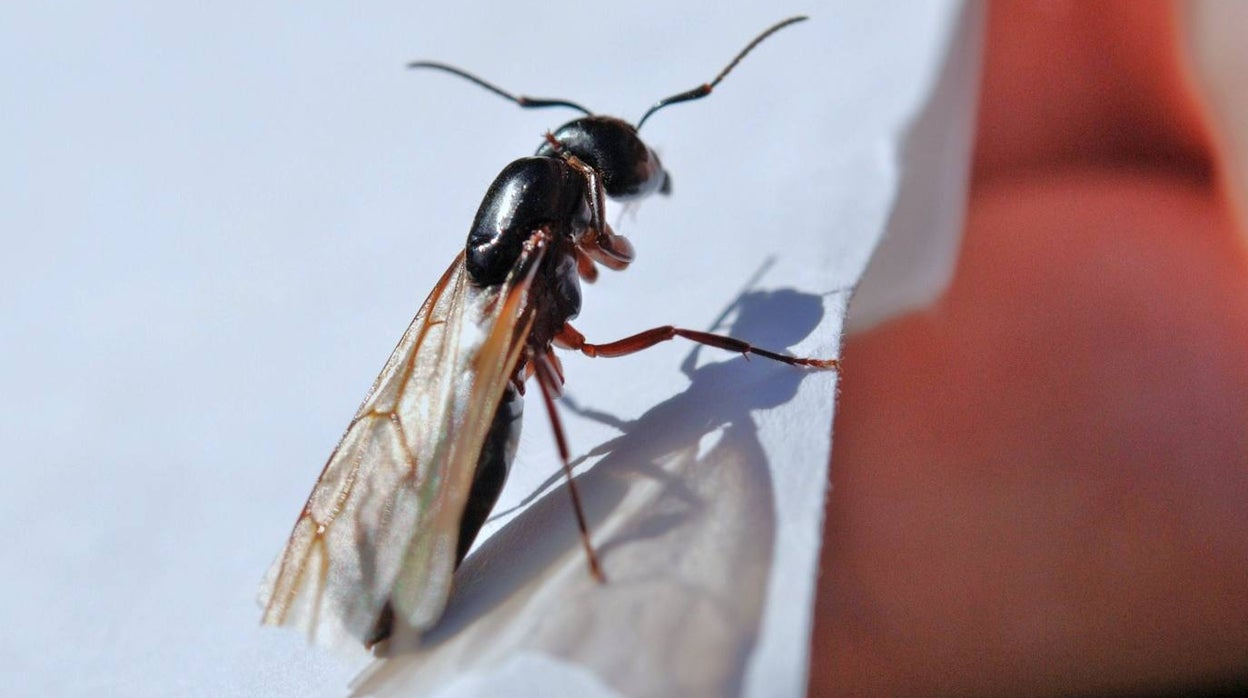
(1040, 484)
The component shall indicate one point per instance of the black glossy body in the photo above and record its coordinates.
(559, 190)
(492, 468)
(529, 194)
(546, 191)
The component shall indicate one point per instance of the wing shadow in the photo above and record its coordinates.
(681, 504)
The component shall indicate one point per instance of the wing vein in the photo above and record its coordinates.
(379, 527)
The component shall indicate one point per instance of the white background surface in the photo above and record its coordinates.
(217, 222)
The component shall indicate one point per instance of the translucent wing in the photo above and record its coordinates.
(382, 523)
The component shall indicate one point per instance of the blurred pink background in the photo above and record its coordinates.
(1041, 483)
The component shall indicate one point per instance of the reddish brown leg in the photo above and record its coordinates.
(571, 339)
(598, 194)
(547, 382)
(585, 266)
(612, 251)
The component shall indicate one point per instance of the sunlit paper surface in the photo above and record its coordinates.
(706, 497)
(221, 220)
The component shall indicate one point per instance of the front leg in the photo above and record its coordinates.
(597, 193)
(600, 243)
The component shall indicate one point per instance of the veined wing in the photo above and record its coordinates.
(382, 522)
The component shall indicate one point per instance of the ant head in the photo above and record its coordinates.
(629, 168)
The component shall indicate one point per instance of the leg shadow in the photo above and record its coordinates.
(682, 507)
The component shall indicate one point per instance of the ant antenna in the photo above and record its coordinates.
(526, 102)
(705, 89)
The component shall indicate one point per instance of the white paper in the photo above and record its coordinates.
(706, 500)
(917, 253)
(219, 221)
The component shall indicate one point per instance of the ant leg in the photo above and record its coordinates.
(612, 251)
(597, 191)
(585, 266)
(569, 338)
(547, 382)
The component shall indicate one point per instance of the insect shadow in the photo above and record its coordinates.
(682, 507)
